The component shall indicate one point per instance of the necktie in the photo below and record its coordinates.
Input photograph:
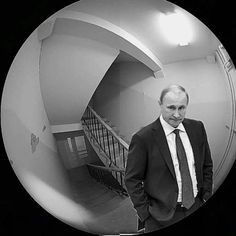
(187, 186)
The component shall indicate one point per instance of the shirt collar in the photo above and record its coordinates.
(168, 129)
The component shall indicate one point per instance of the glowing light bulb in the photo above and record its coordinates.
(176, 28)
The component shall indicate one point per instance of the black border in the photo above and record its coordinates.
(19, 213)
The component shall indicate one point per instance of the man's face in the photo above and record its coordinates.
(173, 107)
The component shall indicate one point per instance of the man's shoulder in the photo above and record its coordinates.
(192, 122)
(146, 130)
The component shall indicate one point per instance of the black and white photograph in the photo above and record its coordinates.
(118, 117)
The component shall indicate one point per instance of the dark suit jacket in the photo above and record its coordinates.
(150, 177)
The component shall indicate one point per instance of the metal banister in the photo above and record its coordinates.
(103, 175)
(113, 147)
(121, 141)
(103, 135)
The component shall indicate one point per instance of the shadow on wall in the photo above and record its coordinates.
(27, 159)
(34, 170)
(118, 73)
(118, 99)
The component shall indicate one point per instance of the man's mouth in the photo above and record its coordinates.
(178, 120)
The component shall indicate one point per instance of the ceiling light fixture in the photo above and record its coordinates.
(176, 28)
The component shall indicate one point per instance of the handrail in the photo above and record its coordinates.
(110, 145)
(121, 141)
(107, 168)
(104, 176)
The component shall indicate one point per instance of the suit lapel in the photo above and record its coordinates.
(161, 141)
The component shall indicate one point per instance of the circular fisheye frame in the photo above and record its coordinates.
(91, 104)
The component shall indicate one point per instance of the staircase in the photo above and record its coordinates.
(110, 148)
(111, 213)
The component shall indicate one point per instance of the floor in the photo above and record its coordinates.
(114, 214)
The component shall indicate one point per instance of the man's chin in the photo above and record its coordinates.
(175, 124)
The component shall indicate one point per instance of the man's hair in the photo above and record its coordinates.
(174, 87)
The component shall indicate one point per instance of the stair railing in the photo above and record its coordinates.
(104, 175)
(107, 139)
(113, 146)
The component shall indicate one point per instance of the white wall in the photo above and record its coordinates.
(23, 113)
(70, 70)
(230, 152)
(129, 94)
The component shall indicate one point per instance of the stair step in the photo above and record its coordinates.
(93, 199)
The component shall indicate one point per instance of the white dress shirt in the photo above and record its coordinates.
(170, 136)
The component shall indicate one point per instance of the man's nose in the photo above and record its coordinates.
(176, 114)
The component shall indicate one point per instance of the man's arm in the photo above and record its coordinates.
(207, 168)
(135, 175)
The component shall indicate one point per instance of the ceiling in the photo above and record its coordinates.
(142, 20)
(124, 57)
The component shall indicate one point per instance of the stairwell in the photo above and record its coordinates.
(113, 213)
(99, 186)
(105, 138)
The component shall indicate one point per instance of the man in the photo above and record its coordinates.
(169, 167)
